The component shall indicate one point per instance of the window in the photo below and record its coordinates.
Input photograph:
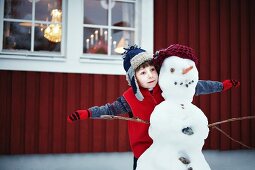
(110, 28)
(72, 36)
(32, 27)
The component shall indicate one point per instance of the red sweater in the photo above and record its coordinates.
(138, 132)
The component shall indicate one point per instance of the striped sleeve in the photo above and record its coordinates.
(120, 106)
(208, 87)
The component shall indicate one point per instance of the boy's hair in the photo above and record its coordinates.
(144, 65)
(134, 57)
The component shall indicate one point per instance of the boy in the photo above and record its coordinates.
(141, 98)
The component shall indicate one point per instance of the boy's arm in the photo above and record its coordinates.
(119, 106)
(208, 87)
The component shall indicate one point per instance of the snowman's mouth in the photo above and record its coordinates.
(184, 83)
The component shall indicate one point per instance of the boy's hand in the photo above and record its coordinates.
(78, 115)
(227, 84)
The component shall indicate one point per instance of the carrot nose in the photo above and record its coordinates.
(186, 70)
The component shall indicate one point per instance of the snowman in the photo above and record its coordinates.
(178, 128)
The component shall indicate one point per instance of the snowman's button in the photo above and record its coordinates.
(184, 160)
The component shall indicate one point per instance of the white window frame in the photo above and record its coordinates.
(74, 61)
(31, 52)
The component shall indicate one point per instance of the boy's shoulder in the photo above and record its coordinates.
(129, 92)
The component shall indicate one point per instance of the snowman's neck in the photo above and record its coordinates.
(179, 100)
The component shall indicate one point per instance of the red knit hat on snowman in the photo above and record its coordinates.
(178, 50)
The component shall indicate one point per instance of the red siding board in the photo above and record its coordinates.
(30, 116)
(224, 68)
(71, 143)
(214, 73)
(193, 24)
(99, 125)
(123, 138)
(111, 131)
(204, 55)
(182, 25)
(252, 63)
(58, 115)
(235, 69)
(5, 110)
(43, 114)
(85, 97)
(162, 20)
(18, 112)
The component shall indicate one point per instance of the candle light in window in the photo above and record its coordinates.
(105, 36)
(87, 43)
(92, 39)
(96, 35)
(101, 32)
(114, 44)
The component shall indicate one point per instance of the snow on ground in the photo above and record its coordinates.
(218, 160)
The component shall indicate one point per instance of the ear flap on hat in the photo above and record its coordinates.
(136, 89)
(133, 82)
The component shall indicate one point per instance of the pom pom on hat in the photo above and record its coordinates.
(178, 50)
(133, 57)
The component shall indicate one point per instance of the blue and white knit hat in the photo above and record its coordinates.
(133, 57)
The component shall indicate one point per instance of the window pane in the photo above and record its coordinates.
(95, 40)
(43, 9)
(95, 12)
(18, 9)
(43, 44)
(16, 36)
(121, 39)
(98, 41)
(123, 14)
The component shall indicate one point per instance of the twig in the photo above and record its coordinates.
(231, 120)
(134, 119)
(212, 125)
(147, 122)
(224, 133)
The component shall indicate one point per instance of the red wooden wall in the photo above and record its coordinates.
(34, 105)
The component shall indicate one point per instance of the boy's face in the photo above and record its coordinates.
(147, 77)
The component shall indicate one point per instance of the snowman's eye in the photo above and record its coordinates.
(172, 70)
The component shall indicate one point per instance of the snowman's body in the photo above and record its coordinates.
(169, 118)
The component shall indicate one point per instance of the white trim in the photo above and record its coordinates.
(74, 61)
(147, 24)
(61, 65)
(1, 22)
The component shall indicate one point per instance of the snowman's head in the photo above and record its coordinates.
(178, 79)
(178, 74)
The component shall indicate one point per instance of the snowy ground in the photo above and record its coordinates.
(218, 160)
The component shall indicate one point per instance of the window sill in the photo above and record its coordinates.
(32, 57)
(65, 65)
